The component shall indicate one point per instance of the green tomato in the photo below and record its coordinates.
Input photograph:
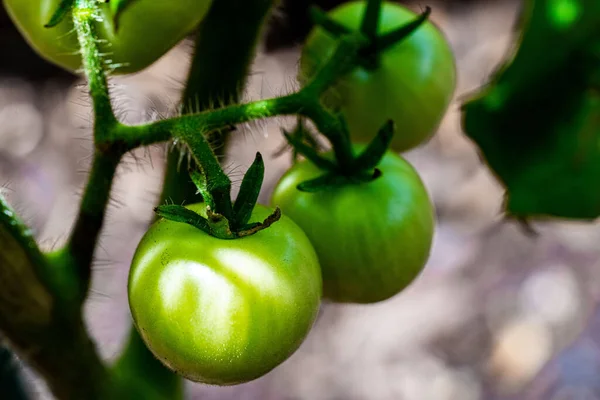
(221, 311)
(372, 239)
(147, 30)
(413, 83)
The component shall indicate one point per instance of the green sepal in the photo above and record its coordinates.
(372, 155)
(370, 22)
(199, 180)
(219, 225)
(320, 18)
(176, 213)
(251, 229)
(310, 153)
(215, 224)
(332, 180)
(64, 8)
(302, 134)
(390, 39)
(249, 192)
(323, 182)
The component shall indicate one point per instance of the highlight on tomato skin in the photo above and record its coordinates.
(147, 30)
(372, 239)
(413, 83)
(222, 311)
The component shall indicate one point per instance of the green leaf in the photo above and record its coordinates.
(249, 192)
(64, 8)
(537, 123)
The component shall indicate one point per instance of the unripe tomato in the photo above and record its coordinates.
(147, 30)
(412, 84)
(373, 239)
(224, 311)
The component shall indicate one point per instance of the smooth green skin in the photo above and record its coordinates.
(373, 239)
(413, 85)
(220, 311)
(147, 30)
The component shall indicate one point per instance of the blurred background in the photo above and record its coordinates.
(498, 314)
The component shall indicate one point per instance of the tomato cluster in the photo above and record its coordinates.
(229, 309)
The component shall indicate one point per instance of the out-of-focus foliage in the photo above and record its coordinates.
(537, 122)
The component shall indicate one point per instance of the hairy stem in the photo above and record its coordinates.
(224, 53)
(83, 17)
(83, 239)
(219, 184)
(220, 67)
(88, 225)
(306, 102)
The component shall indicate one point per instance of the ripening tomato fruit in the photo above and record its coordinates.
(372, 239)
(413, 82)
(224, 311)
(147, 30)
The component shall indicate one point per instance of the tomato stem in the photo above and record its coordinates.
(93, 66)
(219, 184)
(82, 241)
(220, 66)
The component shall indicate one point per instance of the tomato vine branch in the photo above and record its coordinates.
(62, 278)
(84, 14)
(304, 102)
(113, 139)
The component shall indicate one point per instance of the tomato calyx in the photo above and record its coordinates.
(376, 44)
(300, 134)
(223, 219)
(361, 169)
